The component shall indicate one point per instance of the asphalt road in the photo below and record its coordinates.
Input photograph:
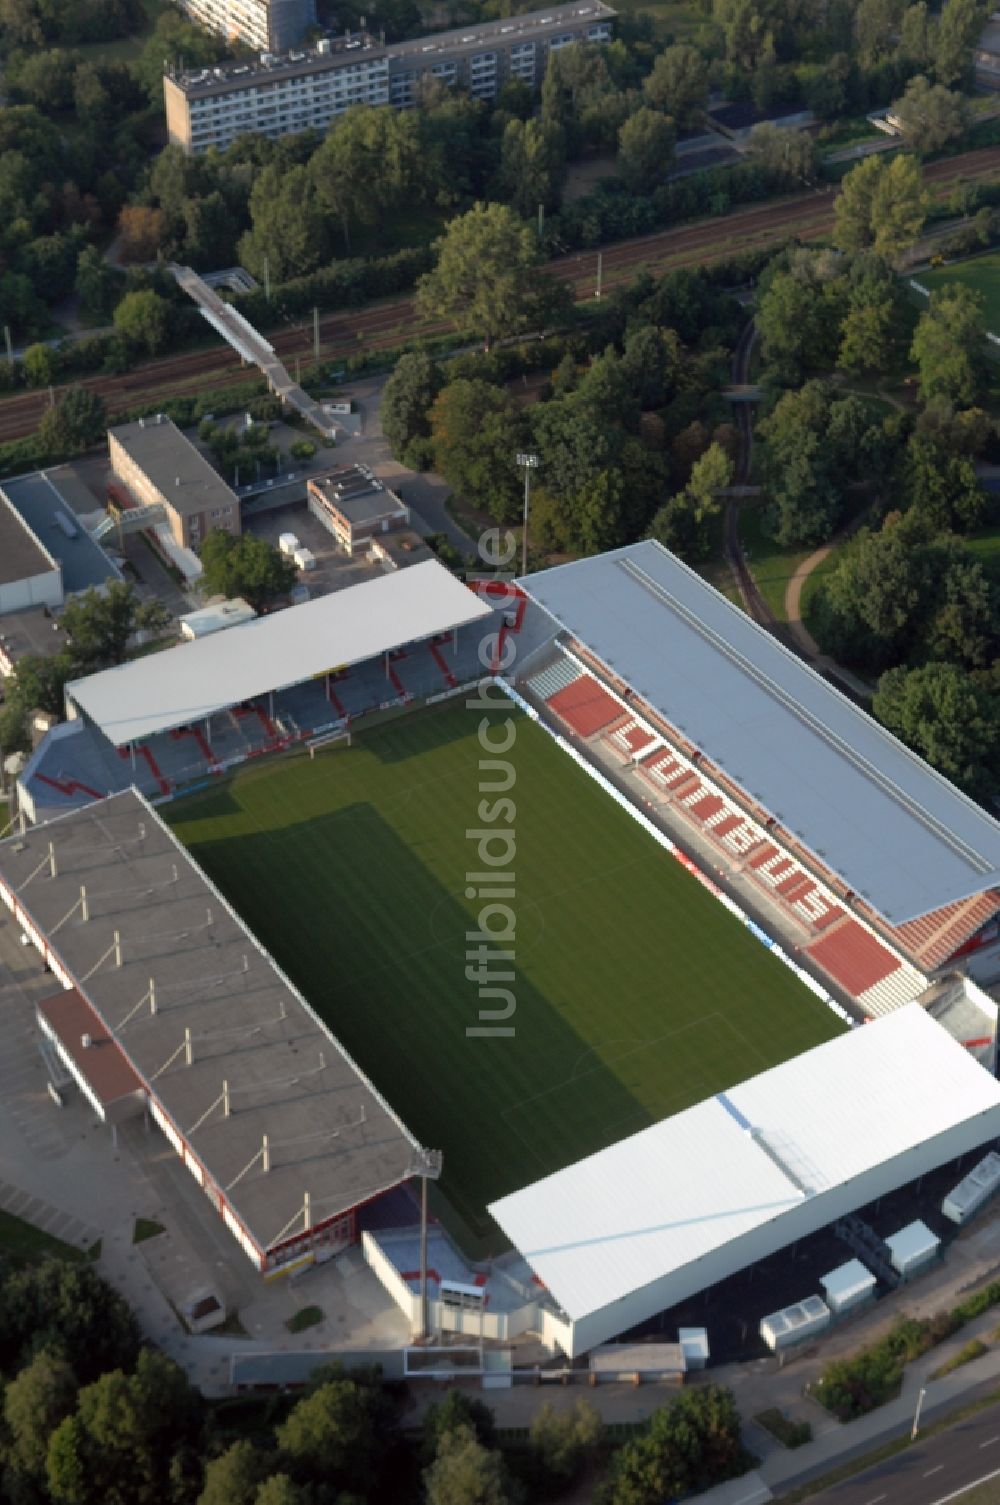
(931, 1472)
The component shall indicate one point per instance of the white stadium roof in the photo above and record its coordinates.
(195, 680)
(901, 836)
(671, 1195)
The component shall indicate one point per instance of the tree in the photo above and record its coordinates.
(876, 22)
(174, 38)
(143, 316)
(929, 115)
(288, 225)
(683, 524)
(119, 1447)
(78, 420)
(486, 274)
(406, 400)
(867, 336)
(881, 205)
(333, 1434)
(786, 153)
(948, 345)
(691, 1445)
(70, 1311)
(41, 365)
(645, 149)
(942, 486)
(563, 1441)
(97, 284)
(958, 28)
(458, 1411)
(35, 1401)
(466, 1473)
(678, 85)
(795, 328)
(141, 232)
(476, 432)
(246, 566)
(915, 36)
(234, 1477)
(532, 165)
(280, 1489)
(99, 624)
(941, 713)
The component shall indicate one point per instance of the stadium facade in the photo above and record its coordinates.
(877, 879)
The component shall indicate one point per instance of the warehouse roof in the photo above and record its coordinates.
(898, 834)
(330, 1133)
(194, 680)
(42, 498)
(22, 555)
(671, 1195)
(182, 475)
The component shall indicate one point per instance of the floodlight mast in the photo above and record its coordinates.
(427, 1165)
(527, 463)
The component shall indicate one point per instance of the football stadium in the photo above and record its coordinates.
(576, 886)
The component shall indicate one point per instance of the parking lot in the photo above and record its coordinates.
(334, 569)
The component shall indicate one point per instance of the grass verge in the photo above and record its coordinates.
(146, 1228)
(28, 1244)
(794, 1434)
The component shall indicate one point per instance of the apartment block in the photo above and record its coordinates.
(280, 96)
(159, 466)
(268, 25)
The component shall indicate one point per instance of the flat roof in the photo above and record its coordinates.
(222, 79)
(330, 1133)
(358, 496)
(188, 482)
(38, 497)
(34, 631)
(102, 1063)
(194, 680)
(22, 555)
(898, 834)
(673, 1194)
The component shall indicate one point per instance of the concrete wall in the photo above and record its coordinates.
(43, 589)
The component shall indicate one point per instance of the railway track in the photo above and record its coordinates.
(387, 325)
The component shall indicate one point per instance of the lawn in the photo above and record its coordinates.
(27, 1244)
(981, 273)
(125, 49)
(771, 565)
(636, 993)
(986, 547)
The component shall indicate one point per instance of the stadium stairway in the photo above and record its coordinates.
(558, 675)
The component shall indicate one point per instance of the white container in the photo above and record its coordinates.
(973, 1190)
(694, 1346)
(912, 1248)
(288, 543)
(848, 1286)
(795, 1323)
(304, 558)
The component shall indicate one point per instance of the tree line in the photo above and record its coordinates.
(92, 1416)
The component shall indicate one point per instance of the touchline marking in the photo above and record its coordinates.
(957, 1493)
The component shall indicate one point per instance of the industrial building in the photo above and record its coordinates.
(29, 575)
(172, 1008)
(641, 1226)
(160, 467)
(282, 95)
(265, 25)
(354, 506)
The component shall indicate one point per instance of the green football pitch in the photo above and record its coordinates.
(636, 993)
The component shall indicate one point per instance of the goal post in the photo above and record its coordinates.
(339, 734)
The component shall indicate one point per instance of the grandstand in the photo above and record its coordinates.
(172, 1007)
(876, 870)
(170, 720)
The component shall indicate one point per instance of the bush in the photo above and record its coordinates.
(302, 449)
(794, 1434)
